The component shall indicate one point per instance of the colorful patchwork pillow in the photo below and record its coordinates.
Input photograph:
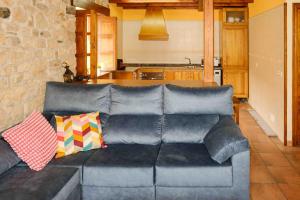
(33, 140)
(78, 133)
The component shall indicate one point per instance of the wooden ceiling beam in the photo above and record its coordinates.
(216, 2)
(178, 4)
(89, 5)
(162, 5)
(175, 5)
(152, 1)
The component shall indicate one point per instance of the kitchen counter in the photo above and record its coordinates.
(185, 83)
(169, 66)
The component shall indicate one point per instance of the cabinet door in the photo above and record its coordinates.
(187, 75)
(239, 80)
(235, 47)
(169, 75)
(198, 75)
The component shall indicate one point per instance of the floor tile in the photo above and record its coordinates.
(266, 192)
(260, 174)
(284, 174)
(294, 158)
(256, 159)
(290, 191)
(275, 168)
(275, 159)
(265, 147)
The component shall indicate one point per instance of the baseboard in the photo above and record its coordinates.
(261, 122)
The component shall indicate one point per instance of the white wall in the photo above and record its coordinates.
(266, 67)
(185, 40)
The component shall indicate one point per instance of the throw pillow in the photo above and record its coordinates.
(225, 139)
(33, 140)
(78, 133)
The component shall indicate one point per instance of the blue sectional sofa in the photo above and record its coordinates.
(164, 142)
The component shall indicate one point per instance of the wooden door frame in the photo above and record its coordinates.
(296, 54)
(285, 75)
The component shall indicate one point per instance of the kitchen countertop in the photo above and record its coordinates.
(169, 66)
(191, 83)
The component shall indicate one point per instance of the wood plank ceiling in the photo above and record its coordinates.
(177, 4)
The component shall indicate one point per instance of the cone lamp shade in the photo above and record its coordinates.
(154, 25)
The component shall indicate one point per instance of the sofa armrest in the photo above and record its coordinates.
(225, 139)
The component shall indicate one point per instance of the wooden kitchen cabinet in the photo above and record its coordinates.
(235, 50)
(184, 75)
(238, 78)
(123, 75)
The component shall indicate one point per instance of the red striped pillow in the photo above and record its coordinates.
(33, 140)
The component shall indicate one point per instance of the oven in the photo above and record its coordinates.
(151, 76)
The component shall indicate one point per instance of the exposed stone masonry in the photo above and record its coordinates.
(34, 41)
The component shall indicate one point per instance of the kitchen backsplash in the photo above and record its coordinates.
(185, 40)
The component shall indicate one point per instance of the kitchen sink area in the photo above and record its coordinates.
(154, 71)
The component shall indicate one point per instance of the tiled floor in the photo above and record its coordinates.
(275, 169)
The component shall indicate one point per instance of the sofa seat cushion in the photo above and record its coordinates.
(133, 129)
(75, 161)
(50, 183)
(190, 165)
(187, 128)
(8, 157)
(121, 165)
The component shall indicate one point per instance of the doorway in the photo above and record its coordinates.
(96, 36)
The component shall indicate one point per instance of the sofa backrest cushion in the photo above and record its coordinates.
(8, 158)
(79, 98)
(136, 100)
(207, 100)
(133, 129)
(187, 128)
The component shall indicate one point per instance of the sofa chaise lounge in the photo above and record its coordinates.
(164, 142)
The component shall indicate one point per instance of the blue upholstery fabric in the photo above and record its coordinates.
(187, 128)
(121, 166)
(133, 129)
(74, 161)
(8, 158)
(118, 193)
(225, 140)
(136, 100)
(196, 193)
(63, 97)
(48, 184)
(210, 100)
(239, 190)
(75, 194)
(190, 165)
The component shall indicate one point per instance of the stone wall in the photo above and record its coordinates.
(34, 41)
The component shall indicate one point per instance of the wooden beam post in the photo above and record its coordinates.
(94, 43)
(208, 8)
